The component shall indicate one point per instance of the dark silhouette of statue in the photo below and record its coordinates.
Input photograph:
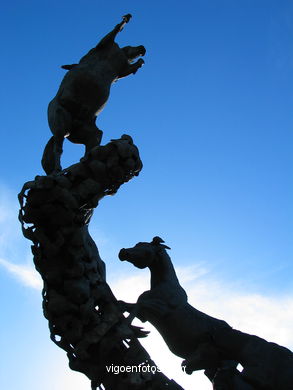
(84, 92)
(203, 341)
(83, 314)
(84, 317)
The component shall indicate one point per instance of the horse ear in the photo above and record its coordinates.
(158, 240)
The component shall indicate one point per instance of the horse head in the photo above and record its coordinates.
(143, 254)
(132, 52)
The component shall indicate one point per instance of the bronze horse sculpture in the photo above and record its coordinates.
(203, 341)
(186, 330)
(83, 94)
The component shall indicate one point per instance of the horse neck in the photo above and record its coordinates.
(162, 269)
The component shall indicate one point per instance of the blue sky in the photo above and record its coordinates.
(211, 114)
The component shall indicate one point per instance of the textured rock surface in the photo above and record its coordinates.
(83, 315)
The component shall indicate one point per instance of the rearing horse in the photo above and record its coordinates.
(185, 329)
(203, 341)
(84, 92)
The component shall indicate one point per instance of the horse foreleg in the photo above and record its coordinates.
(110, 37)
(133, 310)
(94, 140)
(58, 150)
(52, 154)
(205, 356)
(131, 69)
(60, 123)
(126, 307)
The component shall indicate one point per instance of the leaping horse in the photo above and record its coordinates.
(203, 341)
(84, 92)
(186, 330)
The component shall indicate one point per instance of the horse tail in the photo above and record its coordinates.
(48, 159)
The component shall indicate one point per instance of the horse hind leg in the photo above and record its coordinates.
(94, 138)
(52, 155)
(58, 150)
(60, 123)
(87, 134)
(90, 145)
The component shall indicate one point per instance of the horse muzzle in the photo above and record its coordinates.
(123, 254)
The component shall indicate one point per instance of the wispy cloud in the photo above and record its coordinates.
(10, 229)
(27, 275)
(13, 246)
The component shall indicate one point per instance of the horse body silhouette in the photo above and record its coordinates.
(84, 92)
(203, 341)
(185, 329)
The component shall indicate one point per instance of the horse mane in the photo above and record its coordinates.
(69, 67)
